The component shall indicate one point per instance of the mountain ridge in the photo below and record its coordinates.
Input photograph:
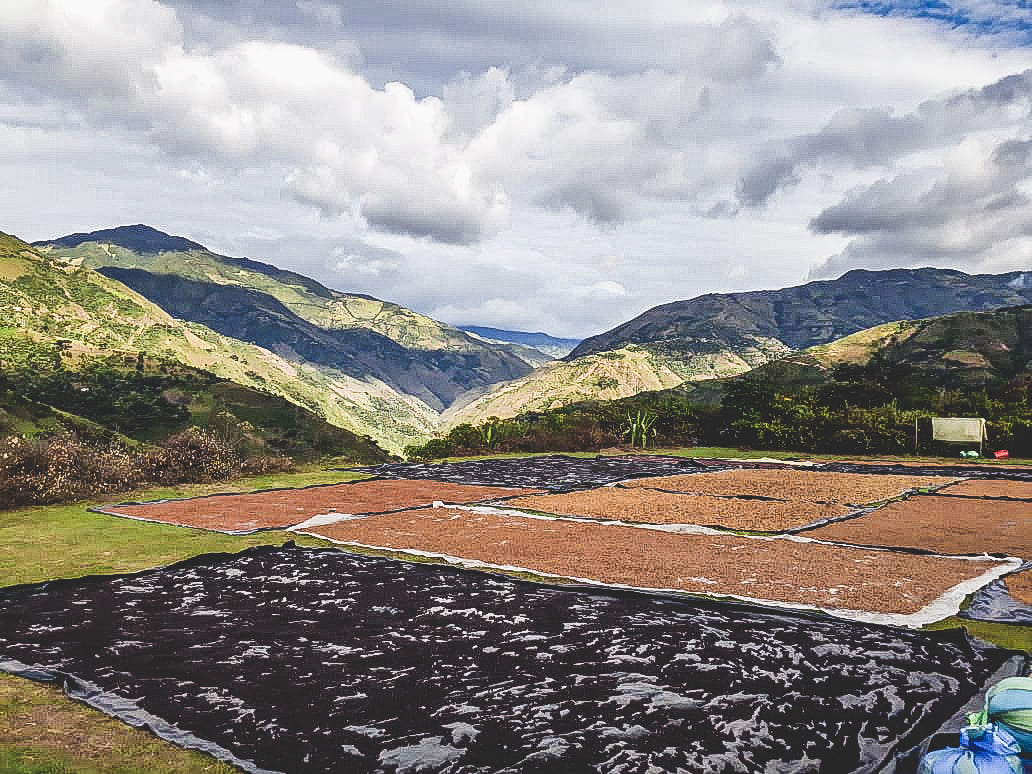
(805, 315)
(404, 367)
(550, 345)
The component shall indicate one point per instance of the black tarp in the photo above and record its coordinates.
(554, 472)
(1001, 472)
(994, 603)
(558, 472)
(303, 660)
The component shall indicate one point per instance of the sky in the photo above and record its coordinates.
(530, 164)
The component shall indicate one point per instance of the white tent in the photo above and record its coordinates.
(960, 430)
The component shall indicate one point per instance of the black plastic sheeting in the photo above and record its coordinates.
(554, 472)
(964, 471)
(994, 603)
(304, 660)
(560, 473)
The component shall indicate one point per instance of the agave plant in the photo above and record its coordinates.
(639, 426)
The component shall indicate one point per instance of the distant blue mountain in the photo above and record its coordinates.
(550, 345)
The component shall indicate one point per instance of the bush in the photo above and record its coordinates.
(62, 468)
(192, 457)
(65, 468)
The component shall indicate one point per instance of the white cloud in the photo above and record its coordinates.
(567, 163)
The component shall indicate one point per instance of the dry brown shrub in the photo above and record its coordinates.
(253, 466)
(64, 467)
(192, 456)
(61, 468)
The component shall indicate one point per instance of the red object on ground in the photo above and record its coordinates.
(1001, 454)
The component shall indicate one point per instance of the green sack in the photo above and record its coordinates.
(1009, 704)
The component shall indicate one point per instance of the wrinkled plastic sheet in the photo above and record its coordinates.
(995, 604)
(965, 471)
(554, 472)
(301, 660)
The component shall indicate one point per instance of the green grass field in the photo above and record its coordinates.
(43, 732)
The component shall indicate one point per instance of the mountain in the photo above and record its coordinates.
(605, 376)
(720, 335)
(549, 345)
(298, 317)
(79, 350)
(810, 314)
(398, 369)
(139, 238)
(963, 350)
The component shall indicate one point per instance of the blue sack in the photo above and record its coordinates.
(983, 750)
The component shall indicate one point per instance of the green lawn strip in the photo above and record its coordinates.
(1011, 636)
(725, 452)
(43, 732)
(44, 543)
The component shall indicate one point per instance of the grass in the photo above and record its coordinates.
(43, 732)
(1005, 635)
(66, 541)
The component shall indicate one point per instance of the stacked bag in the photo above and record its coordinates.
(998, 739)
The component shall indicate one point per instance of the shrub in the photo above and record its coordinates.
(192, 456)
(62, 468)
(65, 468)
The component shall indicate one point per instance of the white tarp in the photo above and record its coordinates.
(959, 429)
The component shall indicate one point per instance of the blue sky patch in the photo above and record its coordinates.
(1004, 17)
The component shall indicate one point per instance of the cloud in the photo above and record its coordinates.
(973, 214)
(429, 167)
(378, 154)
(866, 137)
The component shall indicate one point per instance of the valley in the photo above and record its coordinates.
(381, 371)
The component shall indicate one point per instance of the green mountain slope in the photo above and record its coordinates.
(606, 376)
(102, 393)
(873, 392)
(721, 335)
(815, 313)
(296, 316)
(49, 301)
(602, 376)
(960, 351)
(964, 352)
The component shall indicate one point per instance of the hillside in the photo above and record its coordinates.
(295, 316)
(864, 393)
(48, 386)
(964, 352)
(721, 335)
(814, 313)
(542, 342)
(606, 376)
(960, 351)
(63, 304)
